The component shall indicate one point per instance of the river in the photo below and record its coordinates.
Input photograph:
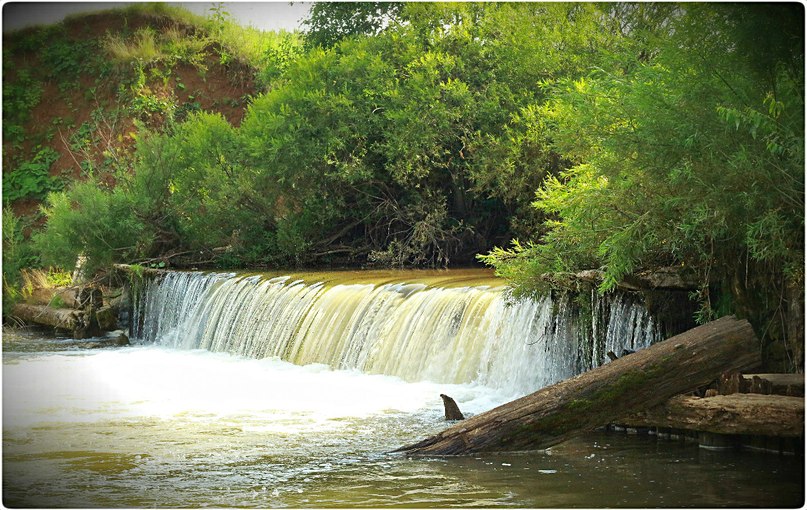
(183, 419)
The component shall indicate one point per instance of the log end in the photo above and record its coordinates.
(452, 410)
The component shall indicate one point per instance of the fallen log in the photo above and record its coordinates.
(624, 386)
(779, 384)
(669, 278)
(66, 297)
(130, 269)
(77, 322)
(739, 413)
(769, 384)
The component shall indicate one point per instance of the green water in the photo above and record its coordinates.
(156, 427)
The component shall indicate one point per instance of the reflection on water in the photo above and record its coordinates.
(149, 426)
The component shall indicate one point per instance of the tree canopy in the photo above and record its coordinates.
(547, 137)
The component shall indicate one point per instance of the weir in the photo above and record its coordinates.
(453, 329)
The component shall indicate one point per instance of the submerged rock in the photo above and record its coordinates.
(115, 338)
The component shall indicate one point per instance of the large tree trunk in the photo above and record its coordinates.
(67, 297)
(627, 385)
(77, 322)
(739, 413)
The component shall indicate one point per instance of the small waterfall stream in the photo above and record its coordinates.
(268, 391)
(455, 334)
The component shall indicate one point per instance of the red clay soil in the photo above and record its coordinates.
(222, 89)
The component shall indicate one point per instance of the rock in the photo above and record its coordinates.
(117, 338)
(107, 318)
(670, 278)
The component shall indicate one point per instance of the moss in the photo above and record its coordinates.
(56, 302)
(579, 404)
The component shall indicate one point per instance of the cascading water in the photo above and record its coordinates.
(266, 392)
(446, 334)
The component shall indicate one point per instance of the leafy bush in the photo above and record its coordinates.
(193, 173)
(694, 158)
(32, 178)
(20, 96)
(64, 59)
(17, 254)
(91, 221)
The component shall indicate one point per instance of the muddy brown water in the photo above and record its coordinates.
(147, 426)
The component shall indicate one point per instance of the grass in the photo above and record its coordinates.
(45, 279)
(246, 44)
(141, 46)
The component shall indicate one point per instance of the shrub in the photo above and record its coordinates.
(17, 254)
(90, 220)
(32, 178)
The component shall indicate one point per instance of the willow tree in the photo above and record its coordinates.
(401, 143)
(692, 156)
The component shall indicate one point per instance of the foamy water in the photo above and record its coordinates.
(158, 382)
(150, 426)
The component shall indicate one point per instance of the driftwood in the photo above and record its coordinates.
(740, 413)
(451, 408)
(668, 278)
(139, 270)
(77, 322)
(624, 386)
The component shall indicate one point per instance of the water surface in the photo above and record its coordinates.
(150, 426)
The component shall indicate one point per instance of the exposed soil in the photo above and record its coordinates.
(225, 89)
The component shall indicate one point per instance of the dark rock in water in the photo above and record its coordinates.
(115, 338)
(452, 410)
(107, 317)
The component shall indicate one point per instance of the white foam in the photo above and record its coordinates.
(159, 382)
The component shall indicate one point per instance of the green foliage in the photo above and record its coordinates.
(56, 278)
(17, 254)
(64, 59)
(147, 46)
(192, 38)
(137, 270)
(20, 96)
(278, 58)
(692, 156)
(192, 188)
(218, 19)
(419, 133)
(330, 22)
(89, 220)
(410, 127)
(82, 138)
(141, 46)
(31, 179)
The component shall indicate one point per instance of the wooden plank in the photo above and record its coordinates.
(624, 386)
(739, 413)
(780, 384)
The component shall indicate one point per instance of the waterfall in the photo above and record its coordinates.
(410, 329)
